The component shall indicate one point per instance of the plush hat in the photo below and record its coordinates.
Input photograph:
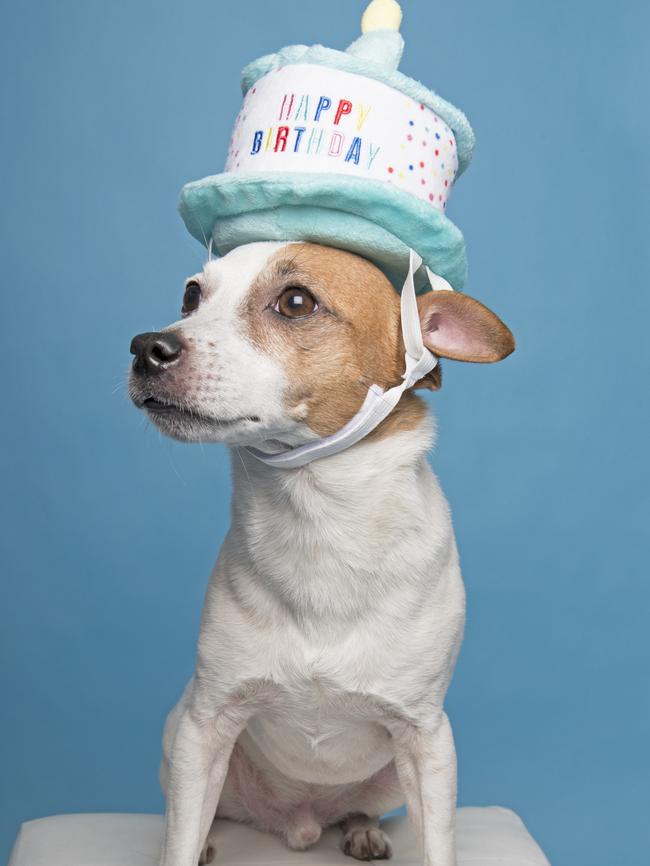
(340, 148)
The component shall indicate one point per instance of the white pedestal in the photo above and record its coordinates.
(486, 837)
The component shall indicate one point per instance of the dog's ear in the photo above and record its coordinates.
(458, 327)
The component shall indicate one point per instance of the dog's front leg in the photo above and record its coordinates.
(425, 758)
(197, 767)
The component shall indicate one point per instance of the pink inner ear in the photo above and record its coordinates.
(454, 335)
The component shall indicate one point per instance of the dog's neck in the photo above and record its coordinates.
(327, 539)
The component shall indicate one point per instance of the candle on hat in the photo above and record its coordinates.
(381, 15)
(340, 148)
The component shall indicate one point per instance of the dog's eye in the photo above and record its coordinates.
(191, 298)
(295, 303)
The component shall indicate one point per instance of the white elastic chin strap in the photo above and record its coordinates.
(378, 403)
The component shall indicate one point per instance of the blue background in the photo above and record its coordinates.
(109, 531)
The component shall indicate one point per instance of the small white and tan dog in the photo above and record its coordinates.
(335, 612)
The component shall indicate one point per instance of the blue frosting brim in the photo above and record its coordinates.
(367, 217)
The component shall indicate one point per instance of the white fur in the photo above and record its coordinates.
(330, 629)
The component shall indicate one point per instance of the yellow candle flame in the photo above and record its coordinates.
(381, 15)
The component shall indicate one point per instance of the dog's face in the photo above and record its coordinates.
(282, 341)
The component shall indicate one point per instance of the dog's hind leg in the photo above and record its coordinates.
(260, 795)
(303, 829)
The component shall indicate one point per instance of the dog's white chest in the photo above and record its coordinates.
(342, 612)
(320, 737)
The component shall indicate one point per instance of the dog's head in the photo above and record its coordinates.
(281, 341)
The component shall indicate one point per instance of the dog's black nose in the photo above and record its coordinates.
(155, 351)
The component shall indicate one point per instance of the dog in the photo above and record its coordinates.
(335, 612)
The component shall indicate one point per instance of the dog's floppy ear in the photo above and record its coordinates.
(458, 327)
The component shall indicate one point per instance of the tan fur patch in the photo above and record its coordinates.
(351, 342)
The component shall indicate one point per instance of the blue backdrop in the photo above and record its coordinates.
(107, 109)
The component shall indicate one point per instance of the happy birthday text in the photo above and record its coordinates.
(306, 126)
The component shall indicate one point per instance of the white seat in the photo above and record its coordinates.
(486, 837)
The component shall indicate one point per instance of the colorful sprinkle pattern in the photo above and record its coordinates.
(317, 119)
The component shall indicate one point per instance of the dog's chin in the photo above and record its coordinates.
(189, 425)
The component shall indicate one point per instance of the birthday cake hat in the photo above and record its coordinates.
(340, 148)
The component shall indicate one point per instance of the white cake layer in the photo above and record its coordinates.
(486, 837)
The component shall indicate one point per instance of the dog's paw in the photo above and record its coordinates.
(207, 854)
(366, 843)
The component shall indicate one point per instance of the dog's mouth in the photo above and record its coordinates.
(161, 409)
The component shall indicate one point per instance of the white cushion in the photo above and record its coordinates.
(486, 837)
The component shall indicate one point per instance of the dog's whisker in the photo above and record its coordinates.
(248, 478)
(174, 468)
